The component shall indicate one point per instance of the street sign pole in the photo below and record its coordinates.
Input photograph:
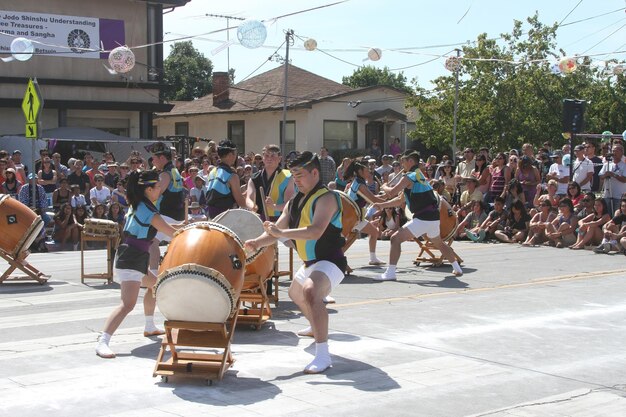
(31, 106)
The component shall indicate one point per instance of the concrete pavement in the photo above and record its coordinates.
(525, 332)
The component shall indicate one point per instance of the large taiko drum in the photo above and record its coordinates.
(19, 226)
(448, 219)
(201, 275)
(351, 215)
(248, 225)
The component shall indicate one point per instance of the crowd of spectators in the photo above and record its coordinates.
(523, 197)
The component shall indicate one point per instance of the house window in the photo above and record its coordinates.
(289, 143)
(237, 134)
(181, 128)
(339, 134)
(154, 132)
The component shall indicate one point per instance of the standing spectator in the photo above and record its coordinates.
(513, 160)
(99, 194)
(466, 167)
(583, 169)
(112, 177)
(328, 166)
(559, 172)
(79, 178)
(375, 150)
(189, 181)
(613, 173)
(21, 170)
(590, 153)
(529, 151)
(123, 171)
(386, 167)
(395, 148)
(449, 179)
(43, 153)
(206, 169)
(340, 181)
(198, 192)
(482, 173)
(11, 185)
(62, 170)
(41, 202)
(374, 180)
(528, 176)
(500, 177)
(47, 178)
(91, 169)
(397, 169)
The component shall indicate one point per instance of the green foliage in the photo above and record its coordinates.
(503, 105)
(368, 75)
(187, 73)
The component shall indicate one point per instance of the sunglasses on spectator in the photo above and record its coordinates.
(586, 200)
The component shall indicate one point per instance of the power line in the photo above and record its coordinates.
(570, 12)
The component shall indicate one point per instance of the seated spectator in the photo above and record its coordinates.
(11, 185)
(397, 169)
(100, 212)
(41, 202)
(614, 231)
(99, 194)
(116, 214)
(494, 221)
(575, 194)
(80, 215)
(390, 219)
(196, 213)
(516, 226)
(439, 188)
(62, 170)
(550, 195)
(539, 223)
(198, 192)
(448, 177)
(590, 227)
(512, 193)
(587, 204)
(65, 229)
(77, 199)
(61, 195)
(77, 176)
(561, 231)
(112, 177)
(473, 220)
(192, 172)
(471, 194)
(119, 194)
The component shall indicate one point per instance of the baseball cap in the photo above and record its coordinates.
(16, 151)
(579, 148)
(557, 154)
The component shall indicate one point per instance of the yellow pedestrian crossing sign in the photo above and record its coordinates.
(31, 130)
(32, 102)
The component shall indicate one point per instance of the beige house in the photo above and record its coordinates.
(320, 112)
(77, 88)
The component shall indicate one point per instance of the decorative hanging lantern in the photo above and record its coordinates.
(122, 59)
(619, 69)
(554, 68)
(22, 49)
(310, 44)
(251, 34)
(567, 65)
(453, 63)
(606, 136)
(374, 54)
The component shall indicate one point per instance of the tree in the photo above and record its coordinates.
(187, 73)
(369, 75)
(508, 94)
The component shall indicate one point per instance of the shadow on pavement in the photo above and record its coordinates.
(231, 390)
(267, 335)
(447, 282)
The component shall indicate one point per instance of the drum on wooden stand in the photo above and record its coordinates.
(448, 221)
(101, 228)
(248, 225)
(351, 215)
(19, 224)
(201, 275)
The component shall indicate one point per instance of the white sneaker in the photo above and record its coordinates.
(385, 277)
(104, 351)
(376, 262)
(328, 300)
(319, 365)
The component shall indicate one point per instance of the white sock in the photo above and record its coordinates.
(104, 338)
(150, 326)
(456, 267)
(307, 331)
(373, 257)
(322, 359)
(391, 270)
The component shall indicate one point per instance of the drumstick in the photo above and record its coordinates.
(267, 215)
(186, 212)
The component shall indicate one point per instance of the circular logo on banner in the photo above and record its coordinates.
(78, 39)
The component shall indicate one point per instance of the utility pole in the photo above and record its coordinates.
(283, 135)
(456, 104)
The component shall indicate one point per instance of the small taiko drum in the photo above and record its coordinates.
(19, 226)
(101, 228)
(248, 225)
(201, 275)
(351, 215)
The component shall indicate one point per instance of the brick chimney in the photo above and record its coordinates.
(221, 83)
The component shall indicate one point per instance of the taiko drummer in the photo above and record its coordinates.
(312, 220)
(132, 258)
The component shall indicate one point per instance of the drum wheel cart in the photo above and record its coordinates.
(427, 252)
(31, 272)
(198, 350)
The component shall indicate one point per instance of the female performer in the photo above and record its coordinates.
(131, 263)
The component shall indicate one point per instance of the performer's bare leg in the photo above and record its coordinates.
(309, 298)
(149, 305)
(128, 296)
(447, 253)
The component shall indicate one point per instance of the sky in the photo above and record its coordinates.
(430, 30)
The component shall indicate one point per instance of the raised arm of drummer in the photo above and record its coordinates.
(164, 227)
(370, 197)
(290, 191)
(251, 196)
(398, 188)
(266, 239)
(235, 189)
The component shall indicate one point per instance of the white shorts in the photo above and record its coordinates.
(360, 225)
(123, 275)
(162, 237)
(420, 227)
(332, 272)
